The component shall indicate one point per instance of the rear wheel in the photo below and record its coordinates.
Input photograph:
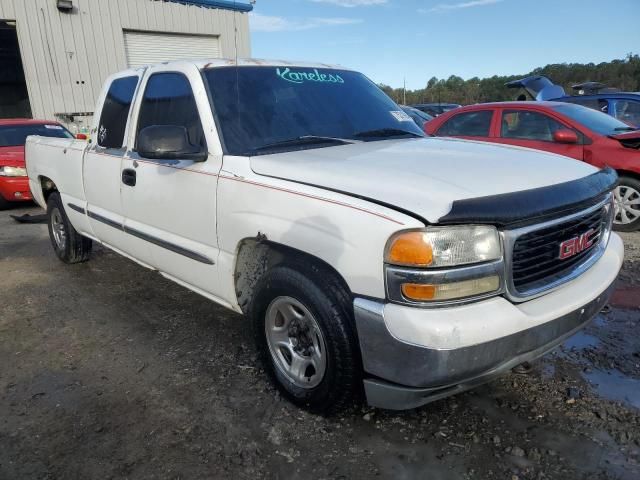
(306, 336)
(69, 245)
(627, 205)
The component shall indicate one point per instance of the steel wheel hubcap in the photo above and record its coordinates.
(57, 227)
(295, 341)
(627, 205)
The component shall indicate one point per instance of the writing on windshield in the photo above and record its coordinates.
(258, 107)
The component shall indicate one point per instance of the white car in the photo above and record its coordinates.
(368, 257)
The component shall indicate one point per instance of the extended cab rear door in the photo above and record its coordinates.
(170, 205)
(103, 158)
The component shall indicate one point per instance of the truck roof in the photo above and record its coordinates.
(246, 62)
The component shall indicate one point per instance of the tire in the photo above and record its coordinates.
(627, 197)
(69, 245)
(320, 327)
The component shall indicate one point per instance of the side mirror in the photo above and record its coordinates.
(81, 136)
(565, 136)
(168, 142)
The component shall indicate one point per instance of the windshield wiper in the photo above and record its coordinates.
(302, 141)
(386, 133)
(624, 129)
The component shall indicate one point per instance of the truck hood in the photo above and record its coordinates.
(12, 156)
(422, 176)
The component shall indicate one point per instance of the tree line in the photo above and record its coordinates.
(623, 74)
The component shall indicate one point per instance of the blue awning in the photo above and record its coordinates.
(225, 4)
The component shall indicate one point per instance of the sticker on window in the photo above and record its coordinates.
(400, 116)
(53, 127)
(314, 76)
(102, 134)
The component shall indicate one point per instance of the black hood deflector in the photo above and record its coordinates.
(531, 206)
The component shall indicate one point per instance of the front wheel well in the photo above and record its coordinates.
(256, 256)
(48, 187)
(627, 173)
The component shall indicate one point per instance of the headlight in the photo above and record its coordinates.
(444, 246)
(444, 265)
(13, 172)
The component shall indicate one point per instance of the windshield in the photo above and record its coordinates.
(260, 107)
(594, 120)
(16, 135)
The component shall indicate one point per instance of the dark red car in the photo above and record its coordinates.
(562, 128)
(14, 183)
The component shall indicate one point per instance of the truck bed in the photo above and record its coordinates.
(56, 158)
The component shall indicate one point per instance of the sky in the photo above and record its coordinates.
(394, 40)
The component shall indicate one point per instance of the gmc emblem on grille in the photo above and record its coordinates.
(572, 247)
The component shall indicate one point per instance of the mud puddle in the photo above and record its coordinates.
(615, 378)
(614, 385)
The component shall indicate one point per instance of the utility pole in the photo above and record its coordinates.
(404, 94)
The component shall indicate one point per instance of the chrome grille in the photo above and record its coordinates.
(535, 263)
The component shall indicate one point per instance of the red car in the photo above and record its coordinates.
(562, 128)
(14, 183)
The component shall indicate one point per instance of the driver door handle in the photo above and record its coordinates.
(129, 177)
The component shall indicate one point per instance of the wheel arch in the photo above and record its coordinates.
(628, 173)
(255, 256)
(47, 187)
(625, 224)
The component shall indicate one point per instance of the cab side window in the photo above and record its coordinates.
(115, 112)
(528, 125)
(168, 100)
(468, 124)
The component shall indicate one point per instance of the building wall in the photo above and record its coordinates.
(67, 56)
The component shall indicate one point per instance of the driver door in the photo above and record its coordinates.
(170, 205)
(527, 128)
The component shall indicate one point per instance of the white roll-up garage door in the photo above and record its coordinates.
(144, 48)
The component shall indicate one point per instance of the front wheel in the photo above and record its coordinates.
(69, 245)
(306, 336)
(627, 205)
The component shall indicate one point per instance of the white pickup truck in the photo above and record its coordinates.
(369, 258)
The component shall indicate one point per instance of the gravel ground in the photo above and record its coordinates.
(107, 370)
(630, 274)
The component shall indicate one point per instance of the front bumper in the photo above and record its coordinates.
(413, 356)
(15, 189)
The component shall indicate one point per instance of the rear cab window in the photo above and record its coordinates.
(468, 124)
(115, 112)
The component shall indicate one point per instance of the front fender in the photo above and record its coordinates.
(347, 233)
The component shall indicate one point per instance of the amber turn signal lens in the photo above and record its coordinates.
(410, 249)
(417, 292)
(451, 291)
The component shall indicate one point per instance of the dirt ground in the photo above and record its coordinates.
(109, 371)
